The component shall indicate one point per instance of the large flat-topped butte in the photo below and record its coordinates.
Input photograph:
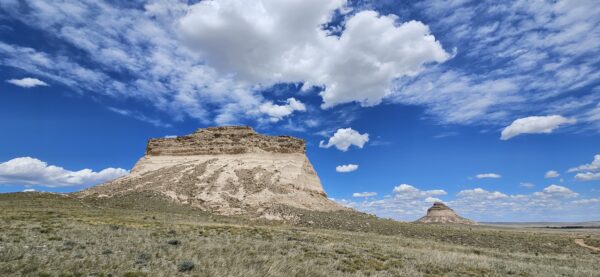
(228, 170)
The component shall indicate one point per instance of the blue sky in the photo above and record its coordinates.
(493, 108)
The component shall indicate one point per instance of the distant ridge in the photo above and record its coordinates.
(440, 213)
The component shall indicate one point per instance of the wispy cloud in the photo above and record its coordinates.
(488, 176)
(527, 185)
(170, 55)
(514, 58)
(141, 117)
(364, 194)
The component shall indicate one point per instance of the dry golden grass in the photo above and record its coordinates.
(48, 235)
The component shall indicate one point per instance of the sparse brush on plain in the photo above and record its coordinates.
(183, 241)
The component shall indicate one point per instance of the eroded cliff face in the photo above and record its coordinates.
(228, 170)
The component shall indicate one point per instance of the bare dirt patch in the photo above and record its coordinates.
(581, 243)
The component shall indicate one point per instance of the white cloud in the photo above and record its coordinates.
(406, 191)
(432, 199)
(530, 62)
(479, 193)
(535, 125)
(31, 171)
(556, 191)
(457, 97)
(212, 60)
(346, 168)
(344, 138)
(553, 203)
(587, 201)
(593, 166)
(27, 82)
(407, 202)
(527, 185)
(364, 194)
(551, 174)
(587, 176)
(265, 42)
(170, 136)
(29, 190)
(141, 43)
(488, 176)
(535, 60)
(278, 112)
(588, 172)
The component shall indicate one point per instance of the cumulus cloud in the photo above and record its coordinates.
(432, 199)
(407, 202)
(488, 176)
(344, 138)
(535, 125)
(556, 191)
(346, 168)
(364, 194)
(551, 174)
(30, 171)
(588, 172)
(593, 166)
(232, 51)
(213, 60)
(552, 203)
(266, 42)
(587, 176)
(588, 201)
(406, 191)
(479, 193)
(278, 112)
(27, 82)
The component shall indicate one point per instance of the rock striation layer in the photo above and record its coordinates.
(440, 213)
(227, 170)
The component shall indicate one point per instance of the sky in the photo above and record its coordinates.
(490, 107)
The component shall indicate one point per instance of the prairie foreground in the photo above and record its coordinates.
(52, 235)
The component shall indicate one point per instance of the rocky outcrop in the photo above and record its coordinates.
(224, 140)
(440, 213)
(227, 170)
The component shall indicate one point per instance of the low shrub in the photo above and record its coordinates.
(185, 266)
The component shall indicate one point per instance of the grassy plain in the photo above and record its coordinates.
(52, 235)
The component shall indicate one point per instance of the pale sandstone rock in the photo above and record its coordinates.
(227, 170)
